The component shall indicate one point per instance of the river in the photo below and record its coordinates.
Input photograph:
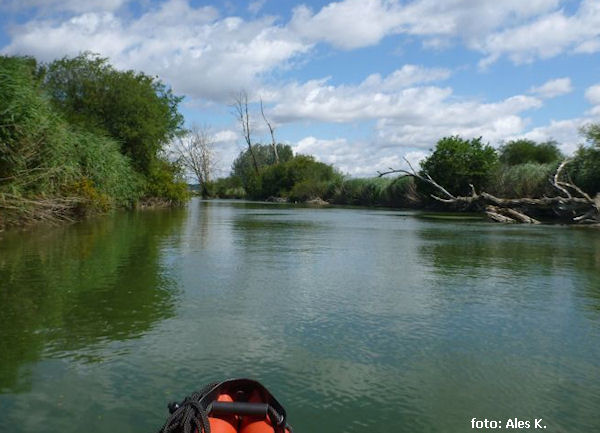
(358, 320)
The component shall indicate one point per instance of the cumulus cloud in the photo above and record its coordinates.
(405, 116)
(358, 158)
(553, 88)
(565, 132)
(373, 98)
(200, 54)
(547, 36)
(210, 57)
(357, 23)
(592, 94)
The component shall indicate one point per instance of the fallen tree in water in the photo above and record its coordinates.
(571, 204)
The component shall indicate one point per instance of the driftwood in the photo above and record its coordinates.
(571, 204)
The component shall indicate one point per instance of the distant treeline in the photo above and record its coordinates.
(78, 136)
(519, 168)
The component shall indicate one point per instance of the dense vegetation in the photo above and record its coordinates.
(520, 168)
(78, 136)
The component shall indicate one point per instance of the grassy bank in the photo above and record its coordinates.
(60, 160)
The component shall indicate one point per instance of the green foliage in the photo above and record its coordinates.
(166, 181)
(111, 172)
(365, 192)
(457, 162)
(584, 169)
(36, 153)
(243, 166)
(393, 192)
(524, 151)
(523, 180)
(280, 179)
(51, 169)
(310, 189)
(592, 134)
(227, 187)
(137, 110)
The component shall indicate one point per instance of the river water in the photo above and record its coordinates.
(358, 320)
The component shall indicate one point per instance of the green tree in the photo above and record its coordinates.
(300, 178)
(523, 151)
(136, 109)
(243, 165)
(584, 170)
(456, 162)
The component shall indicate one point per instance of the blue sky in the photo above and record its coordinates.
(360, 84)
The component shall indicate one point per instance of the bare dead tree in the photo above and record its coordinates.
(240, 106)
(272, 131)
(571, 204)
(195, 152)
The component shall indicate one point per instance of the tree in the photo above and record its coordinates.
(523, 151)
(195, 152)
(272, 131)
(262, 153)
(136, 109)
(240, 107)
(572, 204)
(585, 169)
(458, 163)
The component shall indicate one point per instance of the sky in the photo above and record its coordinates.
(360, 84)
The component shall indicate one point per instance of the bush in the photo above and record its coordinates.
(402, 192)
(524, 180)
(584, 169)
(137, 110)
(281, 179)
(108, 169)
(243, 166)
(456, 163)
(309, 189)
(227, 187)
(523, 151)
(166, 182)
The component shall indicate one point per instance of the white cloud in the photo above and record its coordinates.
(565, 132)
(200, 54)
(225, 136)
(355, 158)
(553, 88)
(405, 116)
(546, 36)
(256, 6)
(347, 24)
(358, 23)
(592, 94)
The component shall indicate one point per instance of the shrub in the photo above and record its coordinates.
(309, 189)
(523, 180)
(523, 151)
(243, 166)
(137, 110)
(584, 170)
(166, 182)
(280, 179)
(456, 163)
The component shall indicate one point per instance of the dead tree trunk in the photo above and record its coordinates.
(272, 131)
(572, 204)
(240, 106)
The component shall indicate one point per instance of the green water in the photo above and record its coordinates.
(358, 320)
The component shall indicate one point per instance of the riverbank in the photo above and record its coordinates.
(69, 151)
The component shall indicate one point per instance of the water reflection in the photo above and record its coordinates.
(357, 319)
(64, 290)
